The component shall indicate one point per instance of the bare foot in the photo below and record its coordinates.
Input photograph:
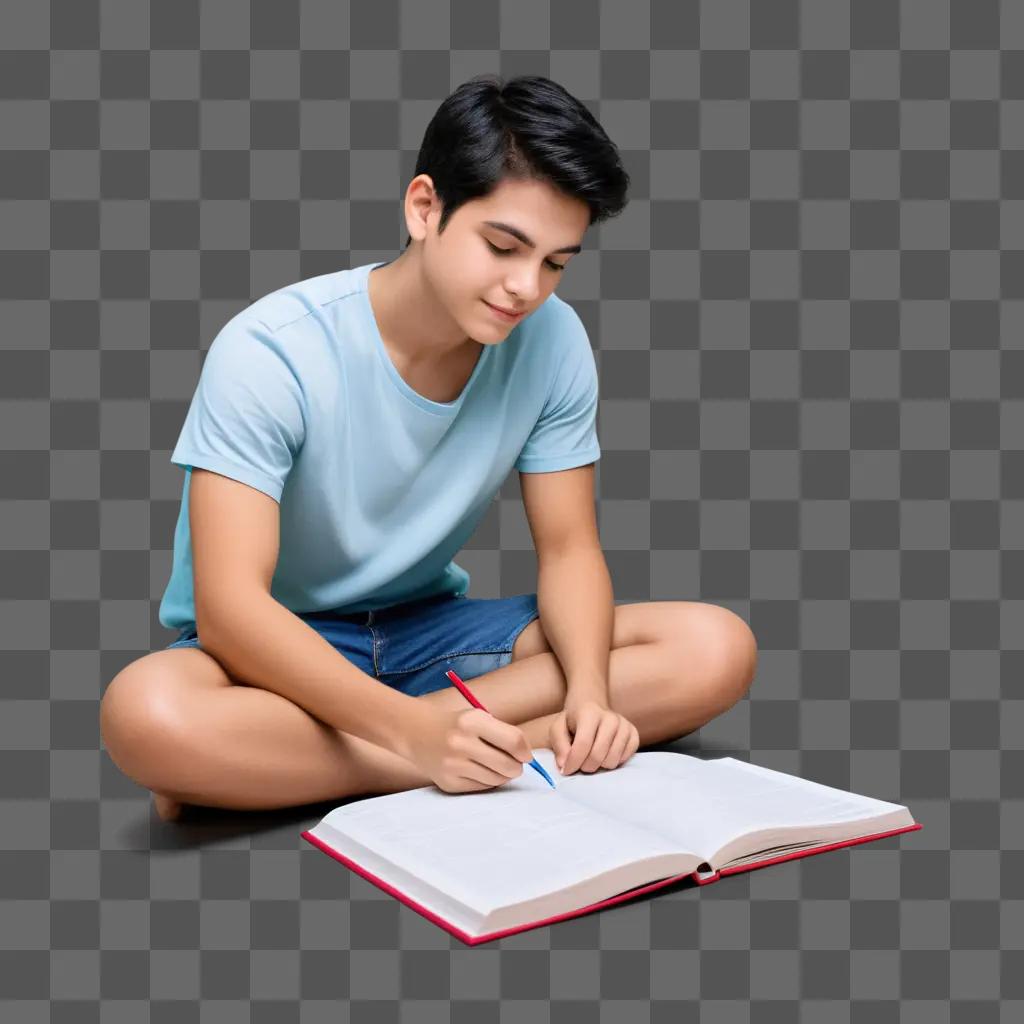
(168, 808)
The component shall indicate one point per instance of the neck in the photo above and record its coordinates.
(411, 320)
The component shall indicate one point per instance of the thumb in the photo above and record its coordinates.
(561, 741)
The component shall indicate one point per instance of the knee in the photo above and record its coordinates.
(738, 653)
(139, 724)
(723, 648)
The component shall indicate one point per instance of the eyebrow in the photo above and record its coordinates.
(525, 239)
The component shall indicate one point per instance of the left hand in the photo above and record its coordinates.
(587, 734)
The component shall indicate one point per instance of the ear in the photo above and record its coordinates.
(421, 202)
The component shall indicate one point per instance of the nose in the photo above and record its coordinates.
(525, 286)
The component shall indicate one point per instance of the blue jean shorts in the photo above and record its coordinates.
(410, 646)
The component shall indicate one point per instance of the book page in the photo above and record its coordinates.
(658, 790)
(749, 798)
(700, 805)
(492, 848)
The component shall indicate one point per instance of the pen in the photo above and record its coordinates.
(464, 690)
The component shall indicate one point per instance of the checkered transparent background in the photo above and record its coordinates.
(808, 329)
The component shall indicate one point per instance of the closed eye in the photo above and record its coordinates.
(505, 252)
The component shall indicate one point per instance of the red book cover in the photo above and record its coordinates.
(705, 878)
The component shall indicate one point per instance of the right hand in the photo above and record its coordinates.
(467, 750)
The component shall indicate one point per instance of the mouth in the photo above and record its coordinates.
(504, 314)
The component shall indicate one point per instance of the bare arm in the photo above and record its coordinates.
(235, 540)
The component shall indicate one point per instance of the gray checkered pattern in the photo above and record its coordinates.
(809, 325)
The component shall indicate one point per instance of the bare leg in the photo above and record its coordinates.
(263, 751)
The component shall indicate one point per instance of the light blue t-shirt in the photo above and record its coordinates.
(378, 487)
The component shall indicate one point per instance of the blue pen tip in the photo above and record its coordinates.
(538, 768)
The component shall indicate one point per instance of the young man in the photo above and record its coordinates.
(347, 435)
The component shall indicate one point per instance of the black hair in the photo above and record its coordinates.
(528, 127)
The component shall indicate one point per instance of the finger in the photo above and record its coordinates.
(606, 732)
(629, 749)
(634, 744)
(460, 784)
(496, 759)
(561, 741)
(505, 736)
(617, 751)
(586, 729)
(482, 775)
(468, 785)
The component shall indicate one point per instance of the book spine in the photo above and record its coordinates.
(707, 876)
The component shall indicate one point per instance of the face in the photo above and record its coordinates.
(474, 264)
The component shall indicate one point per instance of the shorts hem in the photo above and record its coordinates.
(504, 648)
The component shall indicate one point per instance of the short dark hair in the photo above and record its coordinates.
(528, 127)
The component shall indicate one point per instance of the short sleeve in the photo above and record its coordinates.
(246, 420)
(565, 435)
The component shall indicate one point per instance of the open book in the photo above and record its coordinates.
(493, 862)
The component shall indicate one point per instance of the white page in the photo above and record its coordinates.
(702, 804)
(496, 847)
(657, 790)
(748, 798)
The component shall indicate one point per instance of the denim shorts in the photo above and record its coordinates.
(410, 646)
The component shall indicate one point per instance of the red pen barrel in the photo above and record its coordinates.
(464, 689)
